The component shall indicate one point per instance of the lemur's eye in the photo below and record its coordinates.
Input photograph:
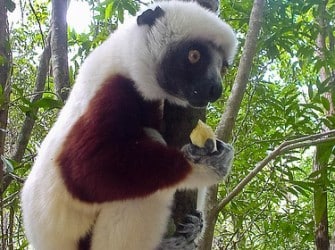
(194, 56)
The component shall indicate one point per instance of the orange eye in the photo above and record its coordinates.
(194, 56)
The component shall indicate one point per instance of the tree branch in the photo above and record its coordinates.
(281, 149)
(29, 121)
(233, 104)
(5, 84)
(38, 21)
(225, 127)
(59, 52)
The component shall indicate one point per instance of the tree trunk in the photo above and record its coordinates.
(5, 89)
(59, 52)
(211, 215)
(56, 50)
(29, 122)
(178, 123)
(320, 190)
(225, 127)
(320, 202)
(5, 64)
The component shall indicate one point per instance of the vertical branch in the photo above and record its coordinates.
(320, 190)
(5, 87)
(225, 127)
(320, 201)
(59, 52)
(30, 118)
(29, 121)
(178, 124)
(11, 228)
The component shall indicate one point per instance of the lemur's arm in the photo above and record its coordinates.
(204, 163)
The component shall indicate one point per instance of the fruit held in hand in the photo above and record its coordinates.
(201, 133)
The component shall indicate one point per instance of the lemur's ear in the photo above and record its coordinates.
(149, 16)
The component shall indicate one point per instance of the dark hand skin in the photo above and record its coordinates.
(219, 160)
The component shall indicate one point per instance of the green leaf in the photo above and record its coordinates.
(131, 7)
(315, 174)
(324, 152)
(325, 103)
(2, 60)
(8, 164)
(25, 108)
(327, 122)
(47, 103)
(120, 14)
(313, 106)
(2, 96)
(304, 184)
(331, 120)
(108, 11)
(302, 191)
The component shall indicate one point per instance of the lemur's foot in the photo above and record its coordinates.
(185, 234)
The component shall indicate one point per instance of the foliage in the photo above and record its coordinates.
(285, 99)
(106, 17)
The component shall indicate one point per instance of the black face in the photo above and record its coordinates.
(191, 72)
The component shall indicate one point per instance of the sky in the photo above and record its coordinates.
(79, 16)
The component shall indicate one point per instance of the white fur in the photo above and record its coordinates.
(53, 219)
(119, 225)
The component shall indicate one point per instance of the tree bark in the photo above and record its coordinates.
(226, 125)
(321, 203)
(320, 190)
(5, 65)
(29, 122)
(5, 89)
(59, 51)
(178, 124)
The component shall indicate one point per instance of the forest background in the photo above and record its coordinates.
(277, 110)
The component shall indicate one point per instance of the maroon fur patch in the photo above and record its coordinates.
(107, 156)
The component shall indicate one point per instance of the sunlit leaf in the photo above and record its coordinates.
(48, 103)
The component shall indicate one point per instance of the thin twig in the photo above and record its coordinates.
(38, 22)
(310, 137)
(284, 147)
(307, 144)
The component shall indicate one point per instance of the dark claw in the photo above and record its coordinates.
(186, 233)
(209, 145)
(191, 227)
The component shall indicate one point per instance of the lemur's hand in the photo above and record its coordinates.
(220, 160)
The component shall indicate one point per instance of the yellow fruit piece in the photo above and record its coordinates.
(201, 133)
